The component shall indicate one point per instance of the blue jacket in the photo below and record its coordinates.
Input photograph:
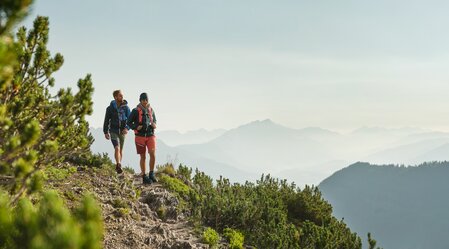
(116, 117)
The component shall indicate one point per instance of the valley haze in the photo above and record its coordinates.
(305, 156)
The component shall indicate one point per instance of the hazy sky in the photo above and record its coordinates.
(218, 64)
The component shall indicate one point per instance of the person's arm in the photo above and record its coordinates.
(154, 119)
(128, 113)
(131, 120)
(107, 119)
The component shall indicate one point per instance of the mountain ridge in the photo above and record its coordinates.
(263, 146)
(403, 206)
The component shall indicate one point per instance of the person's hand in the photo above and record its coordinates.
(125, 131)
(153, 125)
(107, 136)
(139, 127)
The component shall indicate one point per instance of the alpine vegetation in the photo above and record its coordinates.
(54, 193)
(39, 131)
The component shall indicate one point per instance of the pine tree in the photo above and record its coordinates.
(39, 130)
(372, 242)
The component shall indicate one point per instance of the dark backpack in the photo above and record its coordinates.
(140, 115)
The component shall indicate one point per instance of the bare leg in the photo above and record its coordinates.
(152, 159)
(142, 163)
(117, 154)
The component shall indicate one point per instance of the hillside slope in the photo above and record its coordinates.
(404, 207)
(129, 209)
(175, 212)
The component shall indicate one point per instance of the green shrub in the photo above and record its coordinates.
(48, 128)
(129, 170)
(264, 212)
(91, 160)
(184, 173)
(138, 193)
(175, 185)
(234, 237)
(53, 173)
(49, 224)
(119, 203)
(211, 237)
(122, 212)
(309, 204)
(90, 219)
(41, 132)
(162, 212)
(372, 242)
(167, 169)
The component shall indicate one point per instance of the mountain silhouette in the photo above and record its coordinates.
(403, 207)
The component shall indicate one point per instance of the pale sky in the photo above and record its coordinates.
(219, 64)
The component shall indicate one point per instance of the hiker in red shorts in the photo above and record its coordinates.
(143, 121)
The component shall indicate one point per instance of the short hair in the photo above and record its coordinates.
(115, 93)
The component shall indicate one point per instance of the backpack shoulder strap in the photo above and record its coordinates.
(140, 114)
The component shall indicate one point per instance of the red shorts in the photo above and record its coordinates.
(143, 142)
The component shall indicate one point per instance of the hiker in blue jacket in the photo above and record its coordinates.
(115, 126)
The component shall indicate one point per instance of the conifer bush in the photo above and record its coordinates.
(234, 237)
(49, 224)
(184, 173)
(269, 213)
(175, 185)
(39, 131)
(211, 237)
(167, 169)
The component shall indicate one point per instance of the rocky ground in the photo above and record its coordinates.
(135, 215)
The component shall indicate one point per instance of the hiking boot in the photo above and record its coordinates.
(118, 168)
(152, 177)
(146, 179)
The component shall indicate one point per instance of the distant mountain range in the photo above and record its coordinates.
(174, 138)
(403, 207)
(305, 156)
(168, 154)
